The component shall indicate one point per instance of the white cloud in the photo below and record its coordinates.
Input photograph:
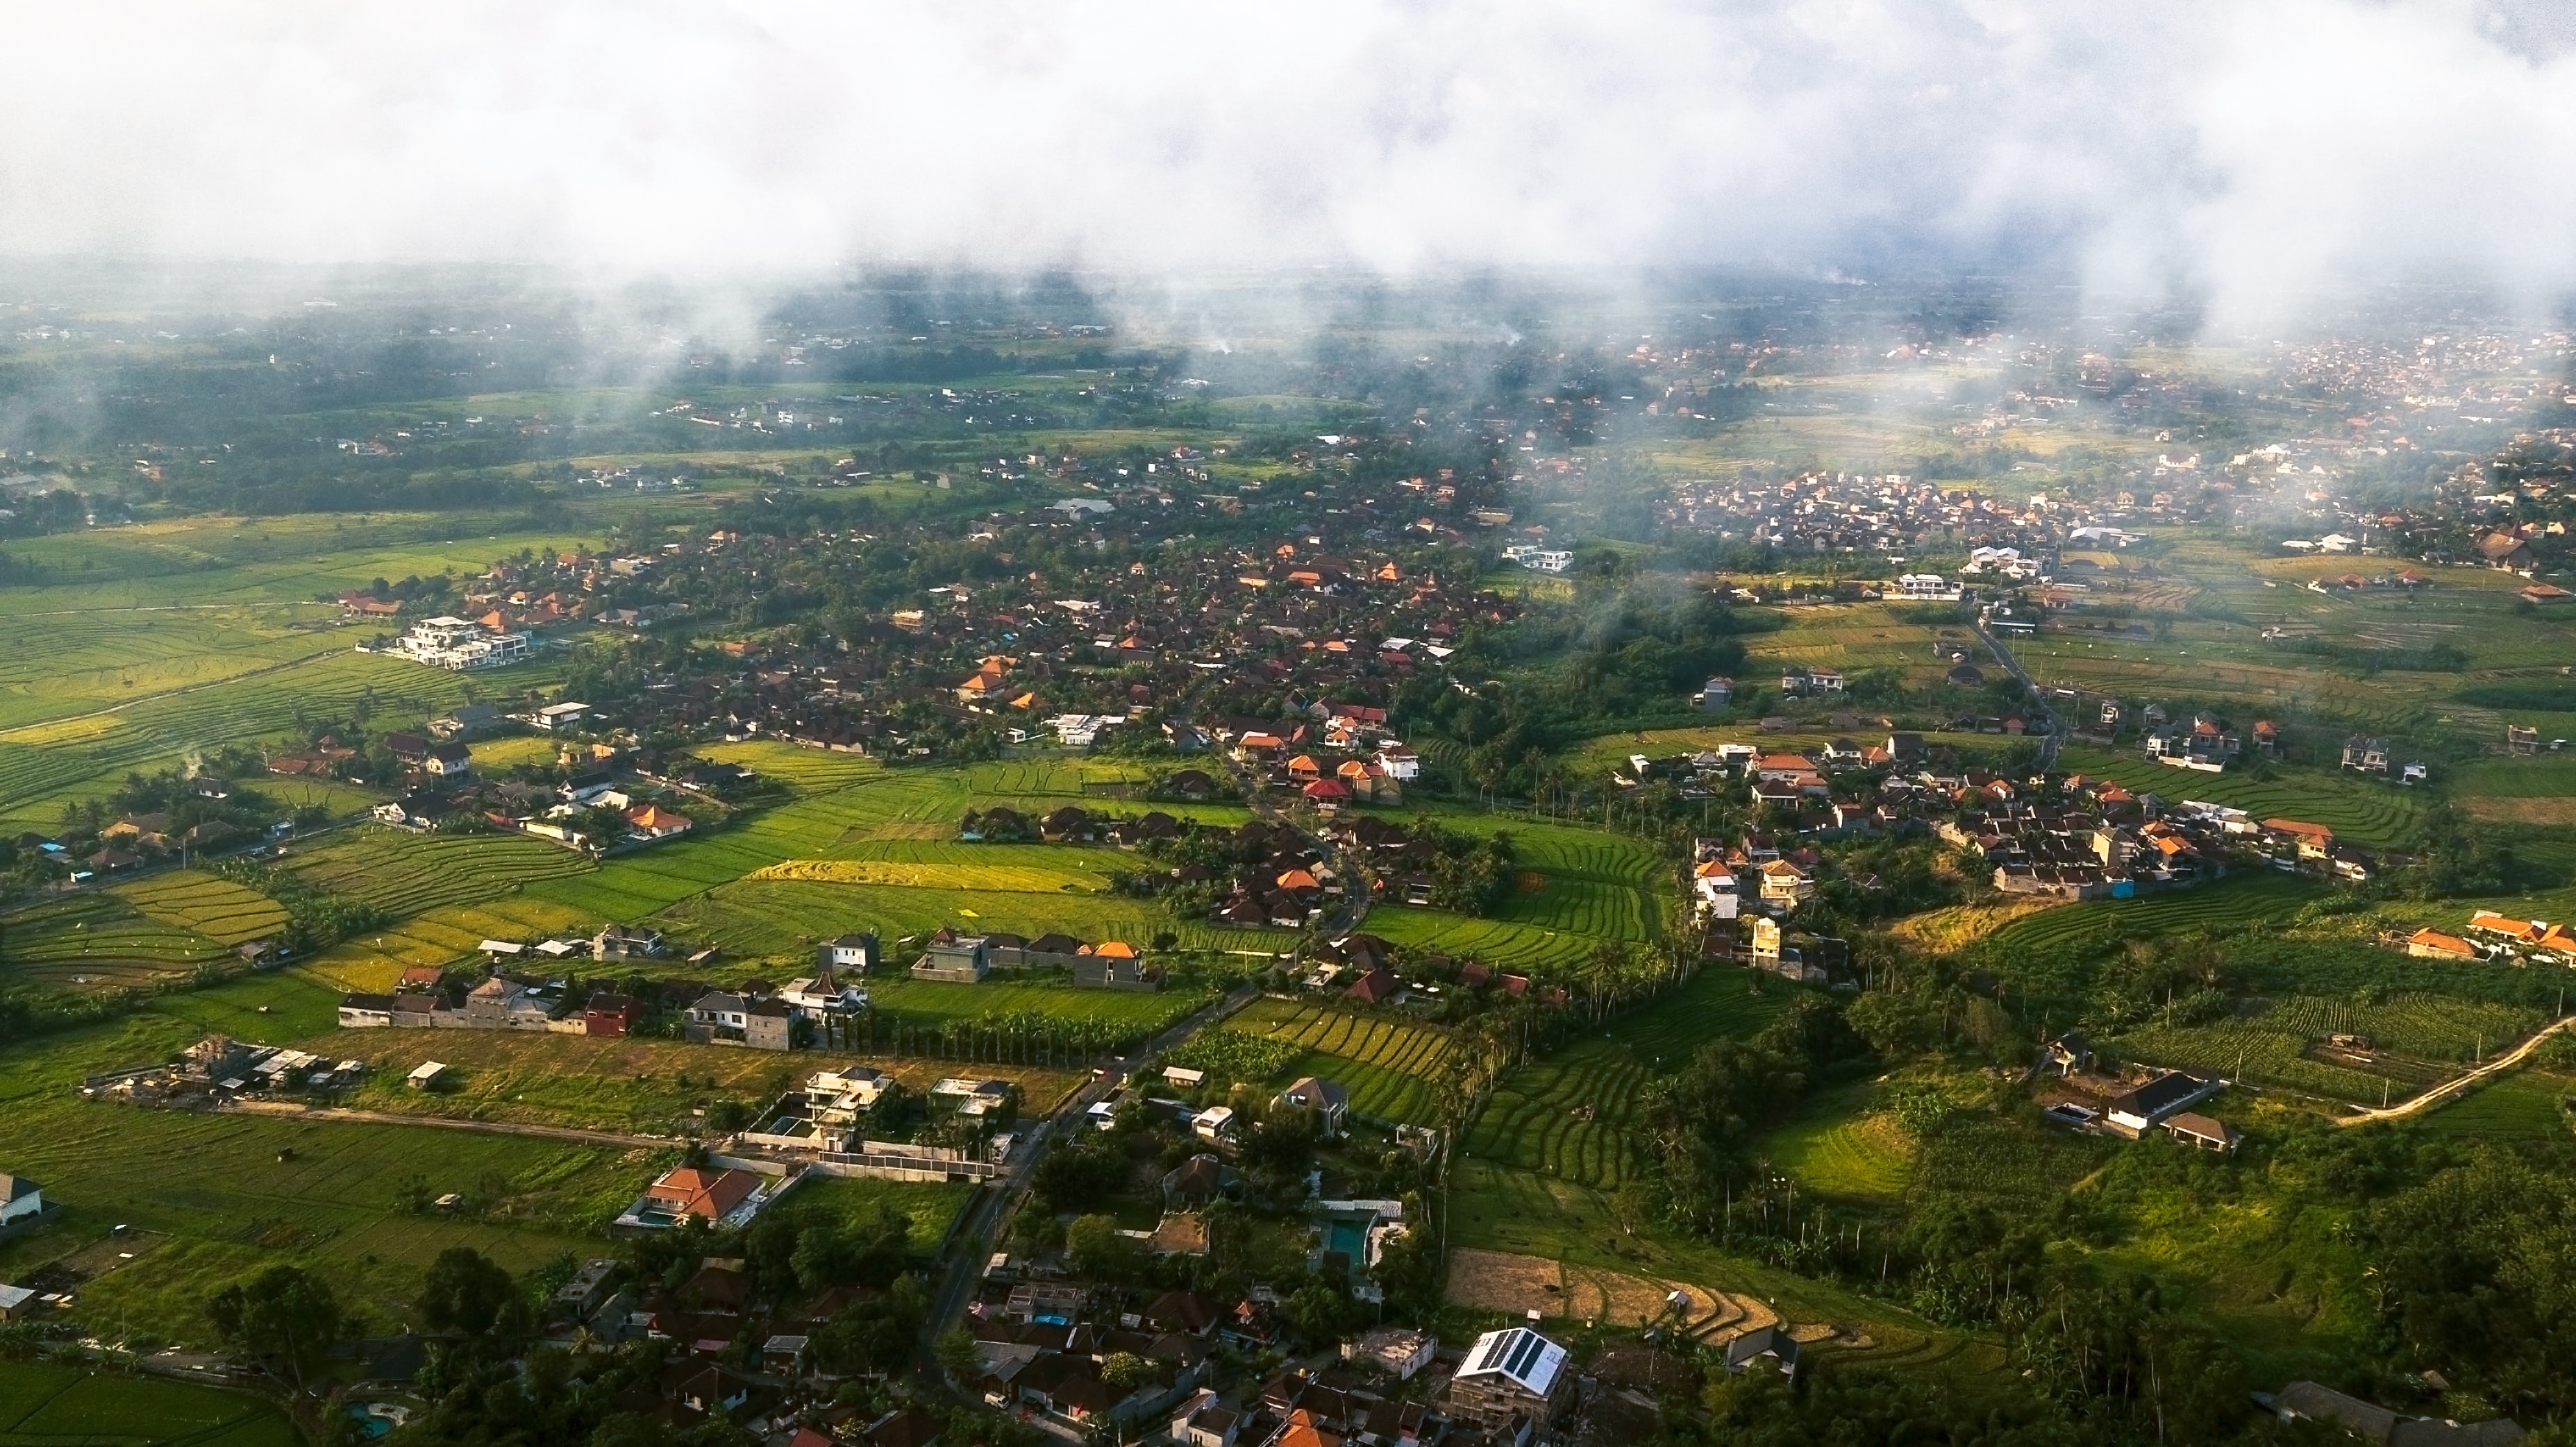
(2248, 147)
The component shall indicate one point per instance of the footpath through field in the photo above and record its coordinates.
(441, 1122)
(2459, 1083)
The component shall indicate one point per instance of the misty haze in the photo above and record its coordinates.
(1376, 724)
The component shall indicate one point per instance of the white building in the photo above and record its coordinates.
(458, 644)
(1927, 588)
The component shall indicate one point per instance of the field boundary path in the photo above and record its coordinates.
(2056, 734)
(443, 1122)
(2459, 1084)
(974, 1237)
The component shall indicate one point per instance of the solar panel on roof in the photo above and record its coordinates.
(1531, 1345)
(1495, 1346)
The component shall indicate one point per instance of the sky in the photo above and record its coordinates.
(2242, 152)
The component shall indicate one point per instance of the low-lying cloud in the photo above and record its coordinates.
(2242, 150)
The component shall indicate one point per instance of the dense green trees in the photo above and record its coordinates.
(286, 1317)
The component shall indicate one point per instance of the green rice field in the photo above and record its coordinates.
(97, 941)
(1575, 1112)
(217, 908)
(1392, 1068)
(406, 874)
(2246, 898)
(45, 1405)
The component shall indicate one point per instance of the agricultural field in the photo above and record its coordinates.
(1576, 1112)
(631, 1086)
(406, 874)
(1499, 943)
(1841, 1146)
(1393, 1070)
(2522, 1106)
(935, 1002)
(45, 1405)
(191, 899)
(97, 941)
(2360, 811)
(2249, 898)
(373, 961)
(2243, 1049)
(777, 917)
(806, 771)
(235, 1193)
(1985, 1157)
(930, 1207)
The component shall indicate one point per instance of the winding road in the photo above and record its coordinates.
(2459, 1084)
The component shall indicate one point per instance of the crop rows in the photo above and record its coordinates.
(2245, 900)
(775, 916)
(88, 940)
(2356, 809)
(2247, 1050)
(1366, 1038)
(1988, 1157)
(219, 909)
(1496, 942)
(1584, 906)
(1376, 1092)
(406, 874)
(1534, 1119)
(807, 771)
(1019, 878)
(2428, 1027)
(1537, 1117)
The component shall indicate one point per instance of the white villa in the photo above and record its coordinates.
(459, 644)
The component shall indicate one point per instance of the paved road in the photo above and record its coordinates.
(2038, 703)
(2459, 1083)
(995, 1205)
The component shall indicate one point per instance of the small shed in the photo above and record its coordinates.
(430, 1075)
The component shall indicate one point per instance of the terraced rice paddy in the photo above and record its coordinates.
(406, 874)
(222, 911)
(1576, 1112)
(782, 916)
(941, 874)
(1866, 1157)
(1392, 1069)
(1520, 947)
(450, 935)
(97, 941)
(807, 771)
(2245, 899)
